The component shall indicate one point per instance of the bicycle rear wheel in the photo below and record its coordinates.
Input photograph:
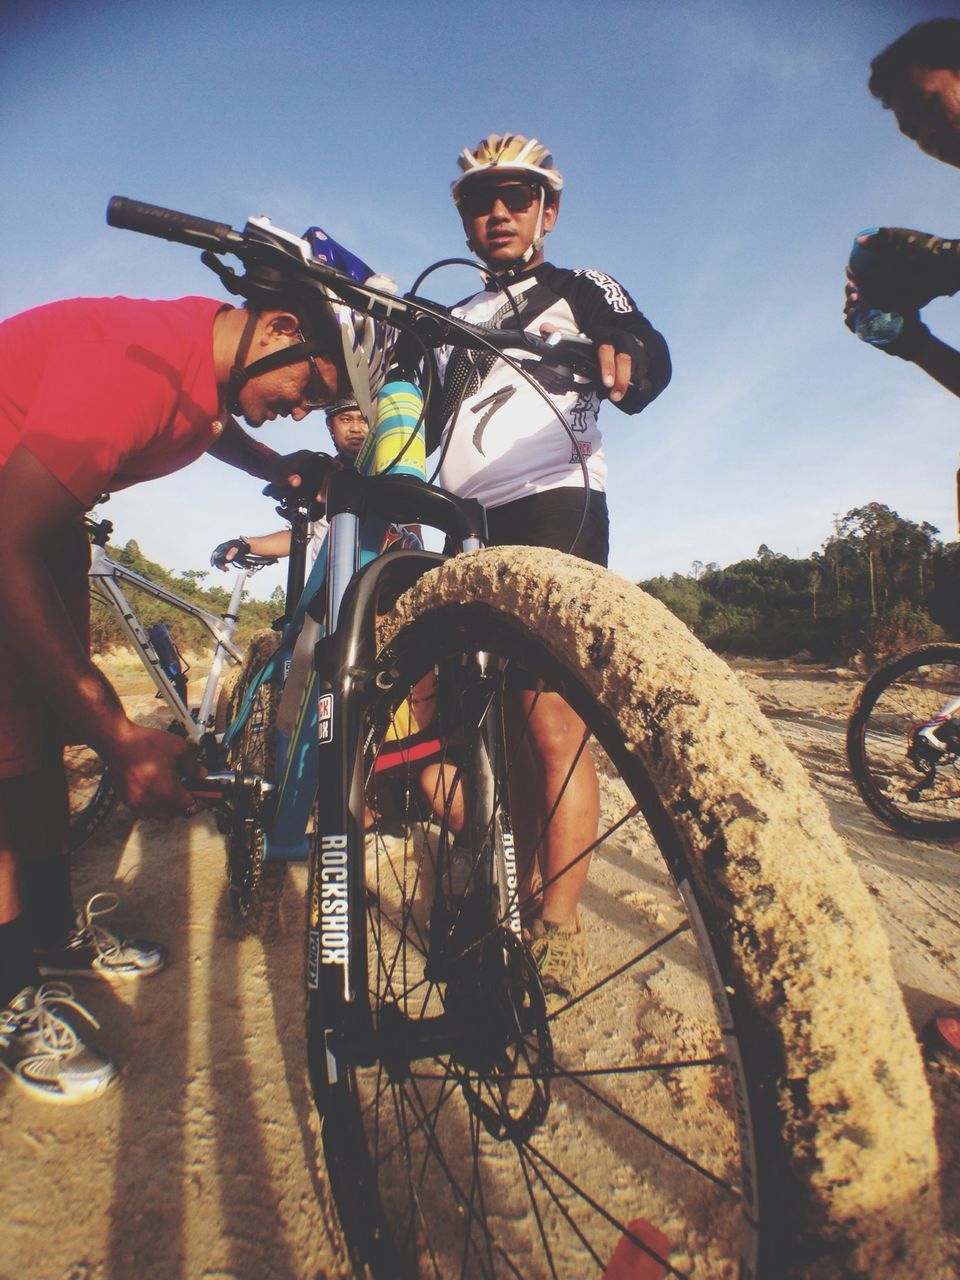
(716, 1095)
(911, 783)
(253, 883)
(91, 792)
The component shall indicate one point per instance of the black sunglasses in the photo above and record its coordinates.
(317, 394)
(517, 197)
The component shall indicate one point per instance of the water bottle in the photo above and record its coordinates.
(396, 443)
(872, 324)
(879, 328)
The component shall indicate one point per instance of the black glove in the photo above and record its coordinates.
(631, 345)
(220, 556)
(313, 469)
(902, 270)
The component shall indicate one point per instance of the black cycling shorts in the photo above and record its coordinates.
(550, 519)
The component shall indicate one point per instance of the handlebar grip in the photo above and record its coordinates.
(168, 224)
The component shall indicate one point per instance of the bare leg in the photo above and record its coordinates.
(443, 793)
(567, 814)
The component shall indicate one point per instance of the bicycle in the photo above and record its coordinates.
(744, 971)
(903, 742)
(91, 789)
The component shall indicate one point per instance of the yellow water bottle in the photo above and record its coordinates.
(396, 446)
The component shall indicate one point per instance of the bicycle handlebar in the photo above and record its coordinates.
(168, 224)
(264, 248)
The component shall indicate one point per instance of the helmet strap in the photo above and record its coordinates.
(238, 372)
(241, 374)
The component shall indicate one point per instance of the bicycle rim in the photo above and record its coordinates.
(91, 793)
(913, 789)
(660, 1113)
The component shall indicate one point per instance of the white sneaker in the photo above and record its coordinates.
(44, 1054)
(93, 951)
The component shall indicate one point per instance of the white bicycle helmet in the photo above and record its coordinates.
(507, 153)
(366, 345)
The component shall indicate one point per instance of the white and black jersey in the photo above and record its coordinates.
(502, 441)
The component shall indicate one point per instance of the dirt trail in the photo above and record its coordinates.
(915, 883)
(201, 1164)
(204, 1163)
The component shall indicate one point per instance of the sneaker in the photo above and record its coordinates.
(42, 1051)
(560, 954)
(91, 951)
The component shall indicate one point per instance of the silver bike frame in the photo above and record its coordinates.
(105, 577)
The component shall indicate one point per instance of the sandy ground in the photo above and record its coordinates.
(204, 1162)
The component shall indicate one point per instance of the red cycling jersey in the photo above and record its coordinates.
(106, 392)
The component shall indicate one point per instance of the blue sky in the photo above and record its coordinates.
(718, 158)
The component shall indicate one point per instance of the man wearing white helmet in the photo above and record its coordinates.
(504, 446)
(349, 429)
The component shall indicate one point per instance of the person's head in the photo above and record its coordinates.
(918, 78)
(347, 426)
(508, 198)
(287, 363)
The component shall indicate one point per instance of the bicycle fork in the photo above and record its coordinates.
(475, 907)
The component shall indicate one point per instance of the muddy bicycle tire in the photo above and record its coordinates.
(904, 693)
(800, 1142)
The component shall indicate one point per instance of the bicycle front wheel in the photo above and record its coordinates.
(910, 779)
(712, 1097)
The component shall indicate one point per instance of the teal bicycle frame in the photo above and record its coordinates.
(389, 478)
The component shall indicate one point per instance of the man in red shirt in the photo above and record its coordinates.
(95, 395)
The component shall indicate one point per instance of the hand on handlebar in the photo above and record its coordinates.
(621, 359)
(302, 470)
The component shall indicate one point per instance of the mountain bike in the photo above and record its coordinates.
(91, 789)
(716, 1099)
(903, 741)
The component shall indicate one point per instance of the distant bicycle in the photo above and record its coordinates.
(903, 741)
(91, 789)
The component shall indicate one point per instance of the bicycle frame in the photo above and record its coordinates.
(105, 576)
(359, 508)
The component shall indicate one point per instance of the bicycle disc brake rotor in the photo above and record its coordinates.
(504, 1054)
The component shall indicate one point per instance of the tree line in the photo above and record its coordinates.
(879, 584)
(189, 635)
